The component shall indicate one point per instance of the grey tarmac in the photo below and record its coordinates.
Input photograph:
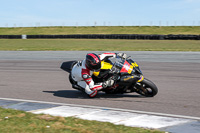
(36, 75)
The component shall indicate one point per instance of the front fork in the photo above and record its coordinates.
(138, 87)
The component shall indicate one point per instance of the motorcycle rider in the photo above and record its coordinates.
(81, 74)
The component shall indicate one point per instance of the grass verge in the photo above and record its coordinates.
(14, 121)
(195, 30)
(98, 45)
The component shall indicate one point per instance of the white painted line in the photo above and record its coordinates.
(115, 117)
(149, 121)
(66, 111)
(107, 108)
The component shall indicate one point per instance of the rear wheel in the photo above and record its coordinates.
(146, 88)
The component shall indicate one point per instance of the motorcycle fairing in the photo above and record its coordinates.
(67, 66)
(127, 68)
(105, 66)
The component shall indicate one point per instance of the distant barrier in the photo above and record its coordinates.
(10, 36)
(105, 36)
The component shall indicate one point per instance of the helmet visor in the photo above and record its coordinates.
(97, 67)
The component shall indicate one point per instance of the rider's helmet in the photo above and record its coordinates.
(93, 62)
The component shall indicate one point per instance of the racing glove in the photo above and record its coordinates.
(114, 70)
(108, 83)
(121, 55)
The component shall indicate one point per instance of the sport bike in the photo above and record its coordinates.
(125, 72)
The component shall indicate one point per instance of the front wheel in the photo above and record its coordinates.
(146, 88)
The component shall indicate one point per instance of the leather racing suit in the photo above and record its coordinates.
(83, 76)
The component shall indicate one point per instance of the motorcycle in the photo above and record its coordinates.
(125, 72)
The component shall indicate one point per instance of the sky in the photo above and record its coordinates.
(29, 13)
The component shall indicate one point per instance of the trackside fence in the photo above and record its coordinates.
(105, 36)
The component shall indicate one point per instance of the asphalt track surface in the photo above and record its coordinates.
(37, 76)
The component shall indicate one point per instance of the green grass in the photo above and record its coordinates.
(98, 45)
(13, 121)
(195, 30)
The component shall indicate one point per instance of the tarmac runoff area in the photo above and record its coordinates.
(132, 118)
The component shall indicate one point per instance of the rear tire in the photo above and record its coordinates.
(146, 88)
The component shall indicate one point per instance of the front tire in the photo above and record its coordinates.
(146, 88)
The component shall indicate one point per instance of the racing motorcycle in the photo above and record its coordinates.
(125, 72)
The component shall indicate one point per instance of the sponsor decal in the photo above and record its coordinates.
(126, 67)
(134, 64)
(141, 79)
(125, 79)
